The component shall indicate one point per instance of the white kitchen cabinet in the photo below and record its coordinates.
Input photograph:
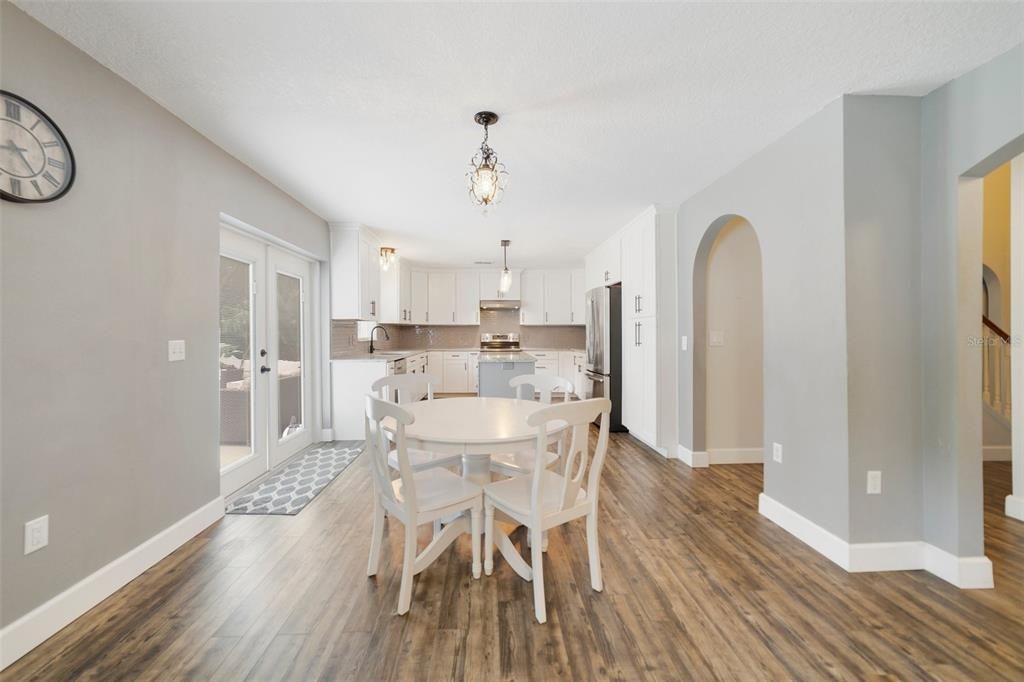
(566, 367)
(640, 378)
(532, 300)
(467, 297)
(557, 297)
(395, 292)
(580, 374)
(547, 362)
(578, 314)
(355, 273)
(441, 298)
(603, 266)
(639, 258)
(419, 285)
(489, 286)
(474, 371)
(435, 368)
(405, 293)
(456, 372)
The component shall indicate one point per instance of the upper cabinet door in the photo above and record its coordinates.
(532, 297)
(404, 293)
(514, 292)
(369, 273)
(419, 284)
(489, 285)
(579, 298)
(558, 297)
(467, 297)
(441, 298)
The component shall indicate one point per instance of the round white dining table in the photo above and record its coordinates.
(475, 428)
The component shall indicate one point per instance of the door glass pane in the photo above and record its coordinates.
(289, 358)
(235, 362)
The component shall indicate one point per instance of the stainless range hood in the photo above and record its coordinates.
(499, 304)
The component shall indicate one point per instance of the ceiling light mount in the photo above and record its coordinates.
(388, 255)
(487, 176)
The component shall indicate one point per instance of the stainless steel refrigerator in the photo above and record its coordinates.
(604, 349)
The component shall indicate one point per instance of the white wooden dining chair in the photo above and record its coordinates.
(414, 498)
(547, 499)
(410, 388)
(527, 386)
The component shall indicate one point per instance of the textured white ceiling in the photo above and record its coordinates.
(364, 112)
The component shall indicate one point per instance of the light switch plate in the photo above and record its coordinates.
(175, 350)
(683, 342)
(37, 534)
(777, 452)
(874, 483)
(716, 338)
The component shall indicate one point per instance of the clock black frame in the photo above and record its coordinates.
(14, 198)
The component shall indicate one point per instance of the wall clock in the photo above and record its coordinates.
(36, 163)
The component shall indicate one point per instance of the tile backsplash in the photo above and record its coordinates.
(344, 340)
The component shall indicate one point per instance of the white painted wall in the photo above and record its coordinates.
(735, 369)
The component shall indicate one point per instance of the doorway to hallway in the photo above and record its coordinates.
(265, 369)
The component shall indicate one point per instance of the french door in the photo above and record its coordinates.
(265, 371)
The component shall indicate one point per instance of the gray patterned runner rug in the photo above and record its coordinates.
(288, 488)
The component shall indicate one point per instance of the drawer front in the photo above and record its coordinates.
(456, 356)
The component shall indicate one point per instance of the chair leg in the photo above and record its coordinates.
(408, 559)
(376, 537)
(474, 526)
(537, 566)
(594, 552)
(488, 538)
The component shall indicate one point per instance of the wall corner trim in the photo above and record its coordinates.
(694, 460)
(326, 435)
(1015, 507)
(972, 572)
(42, 622)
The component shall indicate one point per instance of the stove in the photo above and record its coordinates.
(499, 343)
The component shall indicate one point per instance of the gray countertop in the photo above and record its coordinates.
(390, 355)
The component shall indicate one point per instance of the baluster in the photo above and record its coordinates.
(997, 377)
(985, 395)
(1007, 381)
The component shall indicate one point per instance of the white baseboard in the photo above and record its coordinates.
(735, 455)
(694, 460)
(32, 629)
(1015, 507)
(964, 572)
(649, 442)
(326, 435)
(996, 453)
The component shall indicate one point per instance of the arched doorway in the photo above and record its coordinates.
(728, 383)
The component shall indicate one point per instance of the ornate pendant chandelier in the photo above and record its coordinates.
(487, 177)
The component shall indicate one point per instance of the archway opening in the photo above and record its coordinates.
(728, 344)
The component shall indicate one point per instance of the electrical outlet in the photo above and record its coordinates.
(37, 534)
(777, 452)
(175, 351)
(682, 343)
(874, 483)
(716, 338)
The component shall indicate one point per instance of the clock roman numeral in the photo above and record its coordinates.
(16, 186)
(39, 191)
(50, 179)
(55, 163)
(33, 126)
(51, 143)
(13, 110)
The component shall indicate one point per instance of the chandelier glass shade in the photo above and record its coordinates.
(487, 177)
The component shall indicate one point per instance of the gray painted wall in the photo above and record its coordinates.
(792, 195)
(968, 127)
(100, 431)
(883, 285)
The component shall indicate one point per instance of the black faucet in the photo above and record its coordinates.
(387, 337)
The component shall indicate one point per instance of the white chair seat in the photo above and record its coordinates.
(519, 463)
(438, 488)
(513, 494)
(421, 460)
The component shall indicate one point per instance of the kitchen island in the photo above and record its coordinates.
(497, 368)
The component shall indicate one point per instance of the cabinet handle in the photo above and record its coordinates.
(639, 339)
(545, 317)
(453, 316)
(606, 275)
(428, 316)
(572, 317)
(639, 308)
(373, 308)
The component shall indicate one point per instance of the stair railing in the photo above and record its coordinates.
(995, 367)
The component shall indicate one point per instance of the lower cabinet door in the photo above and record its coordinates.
(456, 376)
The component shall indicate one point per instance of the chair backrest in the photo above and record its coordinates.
(379, 444)
(545, 384)
(408, 387)
(574, 447)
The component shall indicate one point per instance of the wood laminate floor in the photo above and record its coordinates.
(698, 586)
